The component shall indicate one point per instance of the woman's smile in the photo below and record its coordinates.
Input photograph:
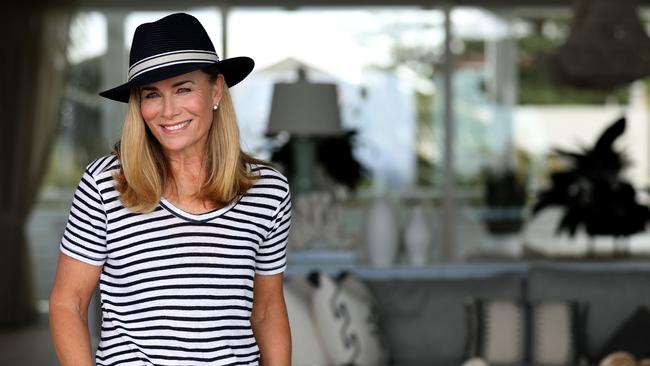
(174, 128)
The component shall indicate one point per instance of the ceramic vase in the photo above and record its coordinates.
(417, 237)
(382, 233)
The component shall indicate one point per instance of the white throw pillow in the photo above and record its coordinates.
(307, 349)
(347, 322)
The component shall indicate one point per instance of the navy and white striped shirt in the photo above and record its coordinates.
(177, 288)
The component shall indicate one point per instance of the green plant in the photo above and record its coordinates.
(505, 199)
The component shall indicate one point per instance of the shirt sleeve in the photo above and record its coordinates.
(272, 253)
(84, 237)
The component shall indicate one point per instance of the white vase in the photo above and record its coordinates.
(382, 233)
(417, 237)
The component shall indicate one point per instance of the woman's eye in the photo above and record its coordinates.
(184, 90)
(151, 95)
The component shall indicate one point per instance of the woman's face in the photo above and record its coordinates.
(178, 110)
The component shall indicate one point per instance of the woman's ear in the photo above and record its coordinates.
(217, 90)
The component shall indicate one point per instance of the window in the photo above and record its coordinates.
(388, 64)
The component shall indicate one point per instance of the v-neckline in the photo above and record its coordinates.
(202, 217)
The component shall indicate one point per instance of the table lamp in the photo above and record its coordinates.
(306, 111)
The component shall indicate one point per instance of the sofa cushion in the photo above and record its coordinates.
(611, 293)
(632, 336)
(506, 332)
(306, 344)
(555, 333)
(497, 331)
(345, 314)
(423, 320)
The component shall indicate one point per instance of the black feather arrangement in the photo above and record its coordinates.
(593, 192)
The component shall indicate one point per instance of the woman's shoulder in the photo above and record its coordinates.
(103, 166)
(268, 177)
(266, 171)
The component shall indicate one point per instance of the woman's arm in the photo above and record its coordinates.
(73, 287)
(270, 321)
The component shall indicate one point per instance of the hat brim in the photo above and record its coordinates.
(233, 69)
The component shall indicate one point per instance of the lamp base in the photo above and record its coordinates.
(304, 162)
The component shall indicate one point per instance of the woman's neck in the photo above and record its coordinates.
(187, 174)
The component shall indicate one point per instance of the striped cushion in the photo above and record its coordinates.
(506, 332)
(497, 331)
(555, 333)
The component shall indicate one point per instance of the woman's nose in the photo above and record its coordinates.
(170, 109)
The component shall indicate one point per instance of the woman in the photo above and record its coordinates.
(185, 234)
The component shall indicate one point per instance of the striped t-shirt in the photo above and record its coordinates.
(177, 288)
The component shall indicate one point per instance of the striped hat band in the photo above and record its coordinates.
(171, 58)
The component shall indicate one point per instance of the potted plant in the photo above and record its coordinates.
(505, 199)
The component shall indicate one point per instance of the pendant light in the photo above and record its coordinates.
(607, 47)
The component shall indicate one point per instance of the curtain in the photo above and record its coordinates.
(32, 63)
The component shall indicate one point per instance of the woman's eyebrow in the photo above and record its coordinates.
(179, 83)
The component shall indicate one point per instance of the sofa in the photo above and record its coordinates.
(423, 318)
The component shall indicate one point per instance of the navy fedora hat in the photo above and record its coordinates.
(172, 46)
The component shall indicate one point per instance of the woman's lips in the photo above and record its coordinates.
(176, 127)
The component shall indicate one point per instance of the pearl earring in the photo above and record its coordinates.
(214, 107)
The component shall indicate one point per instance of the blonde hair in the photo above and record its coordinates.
(144, 171)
